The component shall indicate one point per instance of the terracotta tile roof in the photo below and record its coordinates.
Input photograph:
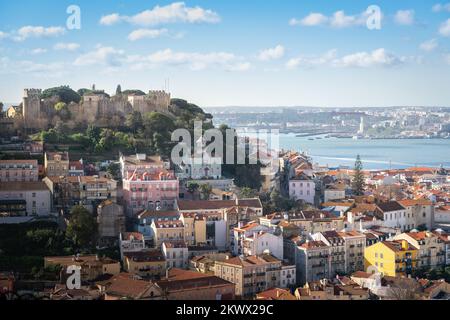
(180, 280)
(51, 155)
(125, 285)
(361, 274)
(145, 256)
(217, 204)
(132, 235)
(169, 224)
(416, 202)
(158, 214)
(175, 244)
(275, 294)
(390, 206)
(396, 245)
(313, 244)
(24, 186)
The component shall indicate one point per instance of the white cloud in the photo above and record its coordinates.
(66, 46)
(379, 57)
(146, 34)
(337, 20)
(172, 13)
(444, 29)
(272, 53)
(429, 45)
(312, 61)
(340, 20)
(38, 51)
(113, 58)
(404, 17)
(110, 19)
(38, 32)
(313, 19)
(108, 56)
(193, 60)
(8, 66)
(441, 7)
(3, 35)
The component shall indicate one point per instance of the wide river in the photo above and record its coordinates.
(376, 154)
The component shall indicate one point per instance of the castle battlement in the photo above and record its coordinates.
(31, 92)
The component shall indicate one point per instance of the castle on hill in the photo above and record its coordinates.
(97, 107)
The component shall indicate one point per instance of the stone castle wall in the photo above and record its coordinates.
(93, 108)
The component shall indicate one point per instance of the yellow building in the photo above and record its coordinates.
(146, 263)
(391, 258)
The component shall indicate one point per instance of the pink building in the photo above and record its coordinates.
(19, 170)
(148, 183)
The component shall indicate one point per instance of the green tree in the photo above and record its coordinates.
(134, 121)
(82, 227)
(358, 178)
(192, 187)
(118, 90)
(65, 94)
(205, 191)
(247, 192)
(114, 169)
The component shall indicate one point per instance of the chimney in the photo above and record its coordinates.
(405, 245)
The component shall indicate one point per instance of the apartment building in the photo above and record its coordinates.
(312, 259)
(251, 275)
(355, 243)
(394, 215)
(431, 248)
(312, 221)
(87, 191)
(391, 258)
(243, 232)
(302, 188)
(131, 242)
(56, 164)
(337, 250)
(147, 263)
(421, 210)
(148, 183)
(110, 219)
(25, 199)
(167, 231)
(176, 254)
(92, 266)
(19, 170)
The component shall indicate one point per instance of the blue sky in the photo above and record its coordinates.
(222, 53)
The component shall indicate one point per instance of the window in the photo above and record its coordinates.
(381, 255)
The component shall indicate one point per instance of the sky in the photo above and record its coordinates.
(233, 53)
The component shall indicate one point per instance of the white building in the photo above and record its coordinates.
(334, 192)
(31, 198)
(263, 242)
(131, 242)
(394, 215)
(422, 211)
(176, 254)
(302, 188)
(243, 232)
(288, 276)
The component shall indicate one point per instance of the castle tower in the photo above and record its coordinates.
(31, 107)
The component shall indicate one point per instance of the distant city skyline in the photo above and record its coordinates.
(233, 53)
